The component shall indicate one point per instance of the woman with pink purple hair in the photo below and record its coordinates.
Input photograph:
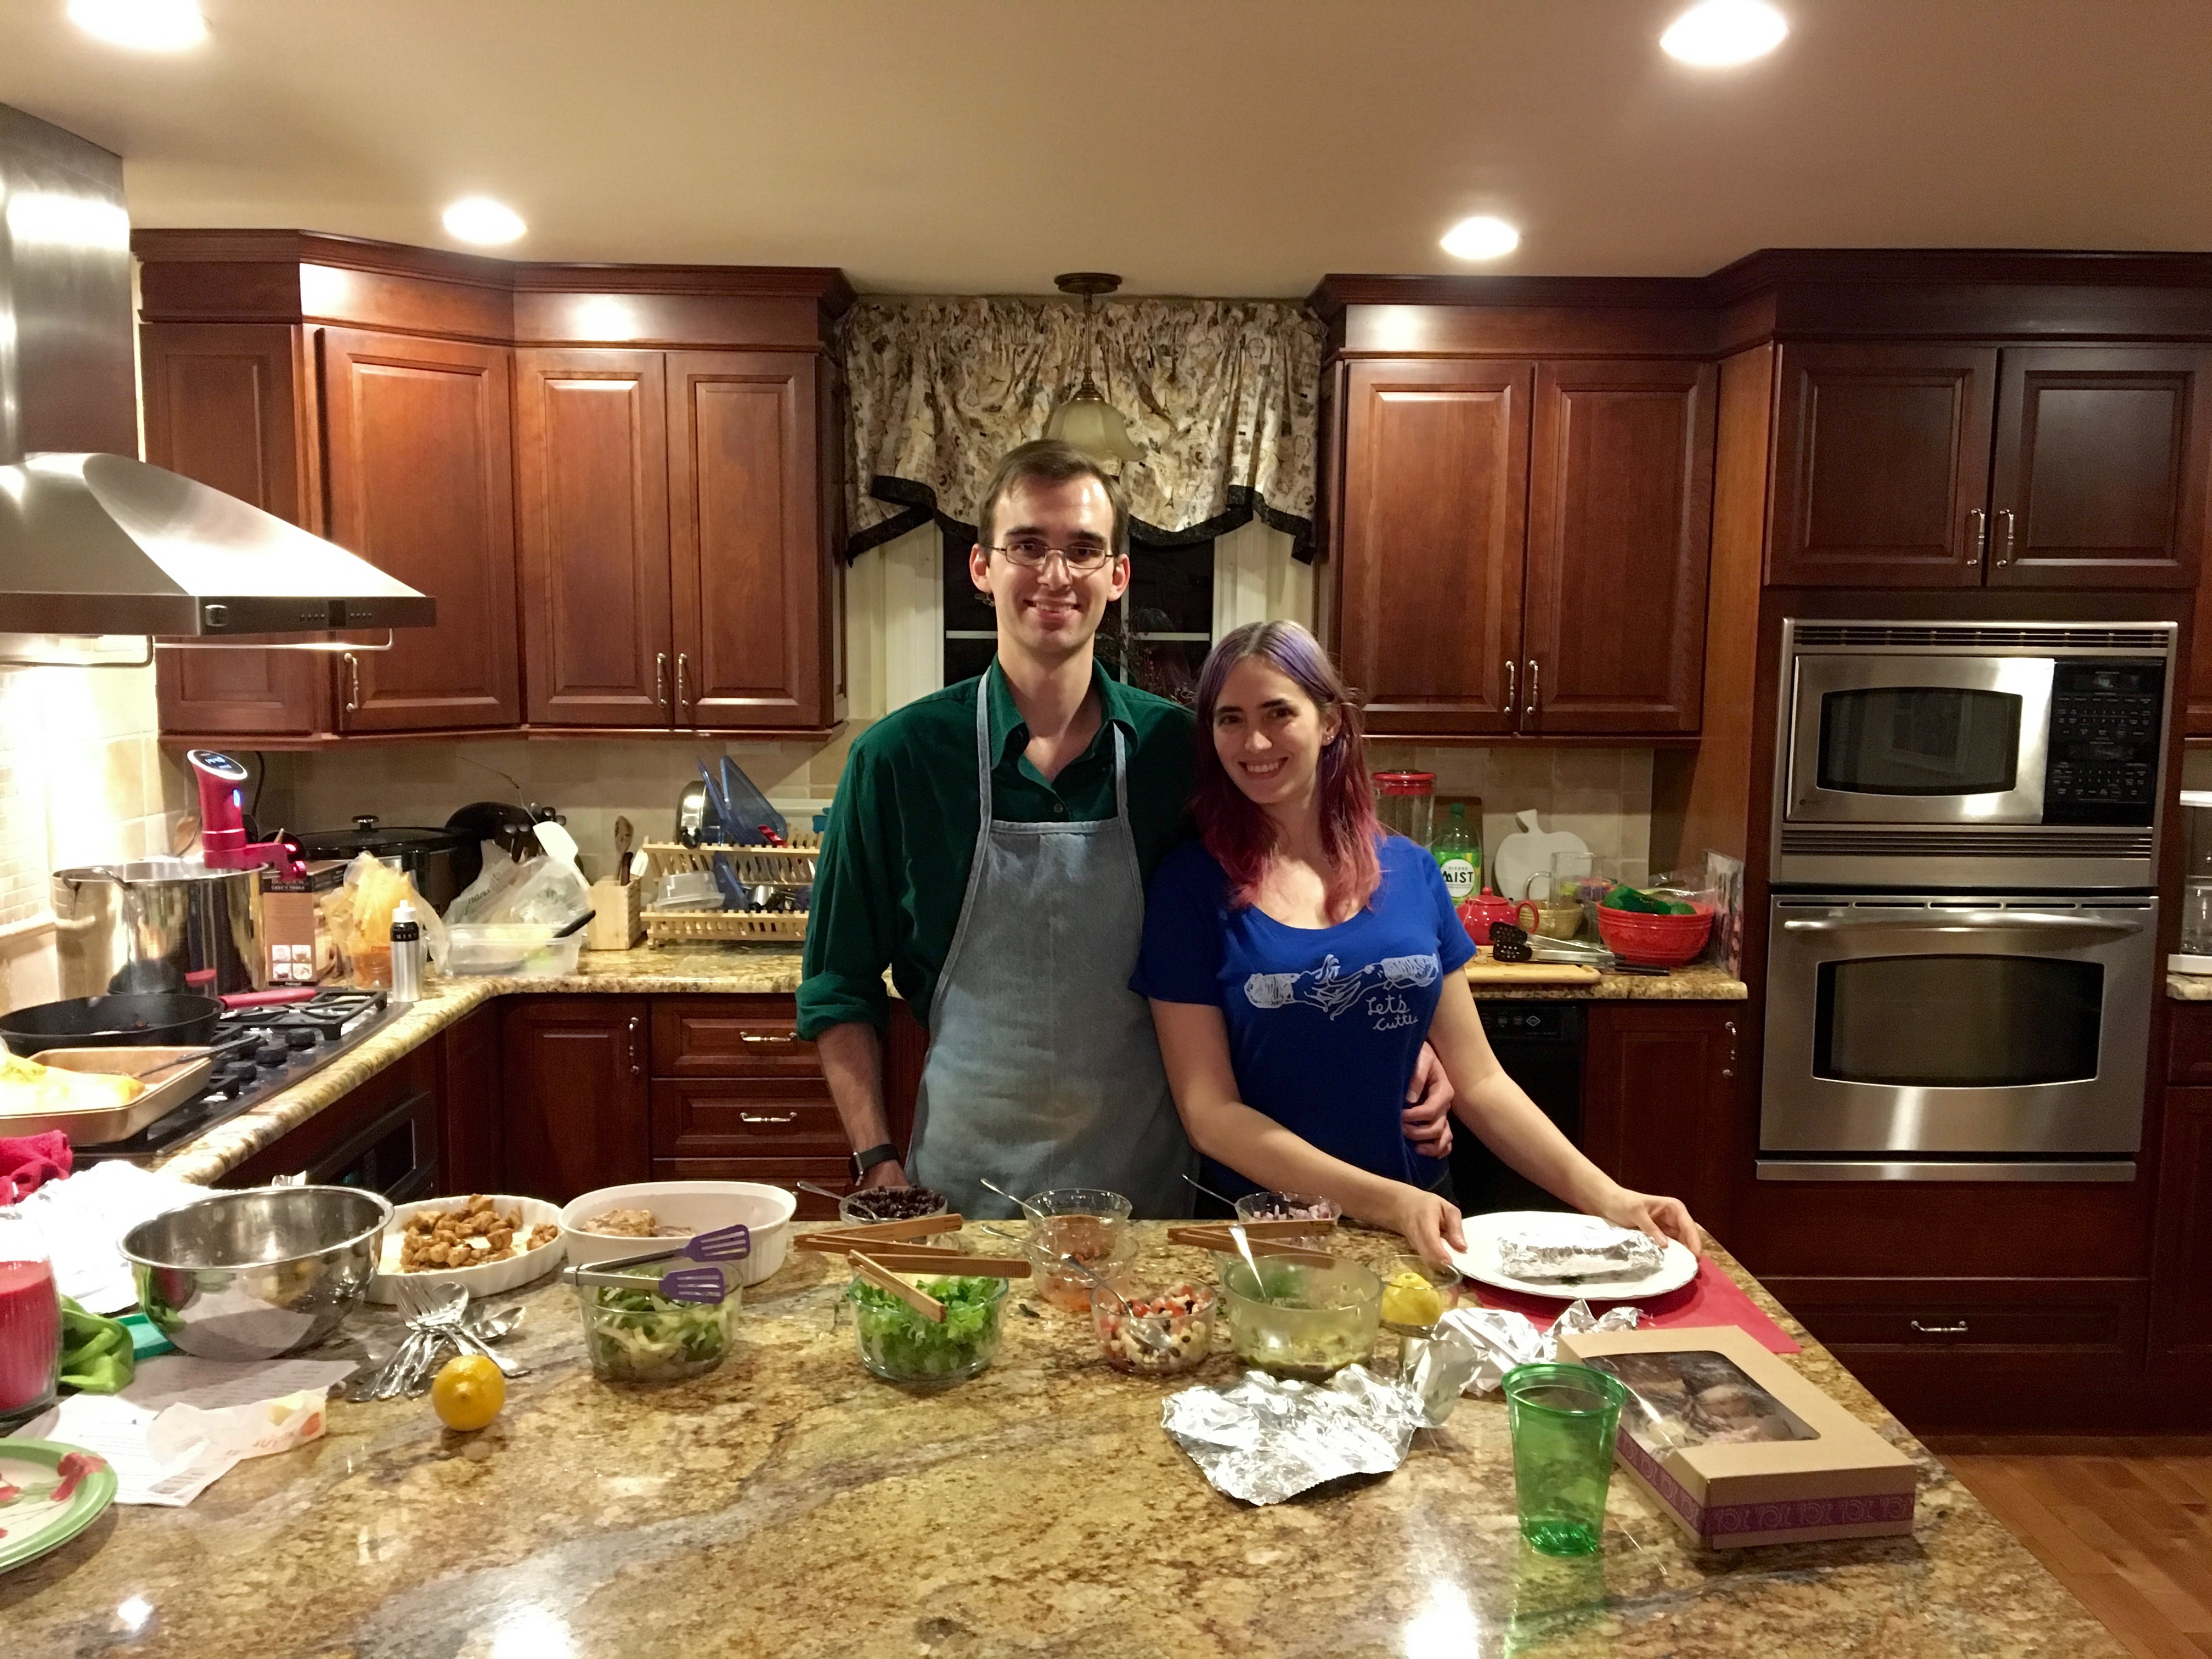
(1296, 957)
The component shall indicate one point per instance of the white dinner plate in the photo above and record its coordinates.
(1478, 1262)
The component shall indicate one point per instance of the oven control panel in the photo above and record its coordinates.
(2102, 761)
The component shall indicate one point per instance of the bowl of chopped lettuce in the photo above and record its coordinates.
(640, 1336)
(901, 1345)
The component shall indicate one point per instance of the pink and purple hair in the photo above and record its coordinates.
(1240, 835)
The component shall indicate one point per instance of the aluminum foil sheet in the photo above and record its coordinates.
(1554, 1248)
(1497, 1339)
(1265, 1438)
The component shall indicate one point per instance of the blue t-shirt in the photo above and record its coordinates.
(1325, 1024)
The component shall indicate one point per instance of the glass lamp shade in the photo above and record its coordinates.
(1093, 426)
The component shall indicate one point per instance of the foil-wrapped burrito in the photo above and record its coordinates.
(1576, 1247)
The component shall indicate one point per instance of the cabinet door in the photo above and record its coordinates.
(224, 406)
(2181, 1258)
(1621, 498)
(750, 559)
(574, 1112)
(1659, 1089)
(2198, 715)
(591, 467)
(1434, 514)
(2100, 477)
(1881, 466)
(421, 485)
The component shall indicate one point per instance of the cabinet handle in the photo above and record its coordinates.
(1729, 1070)
(768, 1117)
(683, 701)
(759, 1036)
(661, 677)
(353, 682)
(1535, 688)
(1959, 1328)
(1977, 534)
(2004, 552)
(636, 1068)
(1511, 668)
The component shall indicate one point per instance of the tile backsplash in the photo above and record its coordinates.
(1603, 795)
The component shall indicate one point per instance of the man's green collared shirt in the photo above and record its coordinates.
(894, 867)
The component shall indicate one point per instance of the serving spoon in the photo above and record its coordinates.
(1023, 1204)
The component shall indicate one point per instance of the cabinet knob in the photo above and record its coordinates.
(1957, 1328)
(636, 1066)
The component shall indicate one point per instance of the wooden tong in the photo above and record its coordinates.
(1218, 1240)
(836, 1241)
(947, 1263)
(884, 1279)
(1271, 1229)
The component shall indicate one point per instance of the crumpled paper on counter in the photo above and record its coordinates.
(1500, 1338)
(1265, 1438)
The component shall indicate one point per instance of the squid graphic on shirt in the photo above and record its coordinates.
(1332, 991)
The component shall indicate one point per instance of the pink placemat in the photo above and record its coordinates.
(1712, 1298)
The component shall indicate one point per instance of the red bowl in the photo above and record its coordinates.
(1654, 941)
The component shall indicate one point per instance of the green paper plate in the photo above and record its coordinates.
(31, 1522)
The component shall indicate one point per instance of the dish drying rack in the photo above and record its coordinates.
(786, 868)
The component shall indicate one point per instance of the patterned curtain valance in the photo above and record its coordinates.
(1219, 395)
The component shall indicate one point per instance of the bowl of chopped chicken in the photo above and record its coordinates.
(628, 1221)
(484, 1241)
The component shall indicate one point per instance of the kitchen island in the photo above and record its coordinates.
(790, 1504)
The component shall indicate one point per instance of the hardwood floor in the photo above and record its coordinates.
(2126, 1524)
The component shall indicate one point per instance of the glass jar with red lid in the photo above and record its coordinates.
(1406, 804)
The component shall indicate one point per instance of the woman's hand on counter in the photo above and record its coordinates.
(1427, 1223)
(1657, 1219)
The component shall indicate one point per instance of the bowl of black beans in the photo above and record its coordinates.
(873, 1204)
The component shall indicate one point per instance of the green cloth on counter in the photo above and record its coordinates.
(97, 1357)
(894, 868)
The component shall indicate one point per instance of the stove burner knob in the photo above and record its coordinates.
(300, 1037)
(271, 1057)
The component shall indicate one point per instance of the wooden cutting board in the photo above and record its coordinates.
(1484, 971)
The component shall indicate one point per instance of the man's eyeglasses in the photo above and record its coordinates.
(1031, 552)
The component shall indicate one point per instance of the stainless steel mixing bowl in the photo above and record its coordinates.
(252, 1274)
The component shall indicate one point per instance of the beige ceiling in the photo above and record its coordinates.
(1226, 146)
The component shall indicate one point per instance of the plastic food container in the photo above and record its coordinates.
(523, 949)
(900, 1346)
(639, 1336)
(1301, 1321)
(1182, 1313)
(1656, 941)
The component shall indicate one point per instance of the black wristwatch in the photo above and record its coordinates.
(866, 1160)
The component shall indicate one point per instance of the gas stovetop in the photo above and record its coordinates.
(258, 1052)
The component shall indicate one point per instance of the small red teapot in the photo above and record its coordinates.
(1477, 914)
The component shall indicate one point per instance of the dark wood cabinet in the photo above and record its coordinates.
(1881, 466)
(223, 404)
(1954, 465)
(591, 453)
(574, 1098)
(2181, 1261)
(1619, 516)
(2197, 712)
(421, 484)
(1431, 561)
(610, 533)
(2099, 475)
(1659, 1083)
(753, 573)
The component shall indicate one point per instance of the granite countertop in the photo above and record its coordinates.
(789, 1504)
(708, 969)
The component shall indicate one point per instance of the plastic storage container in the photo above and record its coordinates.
(525, 949)
(640, 1336)
(1406, 804)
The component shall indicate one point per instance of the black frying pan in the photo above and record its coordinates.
(167, 1019)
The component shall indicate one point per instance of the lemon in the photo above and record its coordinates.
(468, 1392)
(1410, 1299)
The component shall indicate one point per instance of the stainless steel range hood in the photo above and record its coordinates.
(94, 542)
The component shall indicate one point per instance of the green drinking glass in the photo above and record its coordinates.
(1563, 1418)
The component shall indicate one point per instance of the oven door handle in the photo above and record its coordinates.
(1972, 921)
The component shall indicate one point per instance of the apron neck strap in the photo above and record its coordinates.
(984, 759)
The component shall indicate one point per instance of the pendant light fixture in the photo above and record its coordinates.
(1087, 420)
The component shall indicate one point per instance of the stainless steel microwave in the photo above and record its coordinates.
(1982, 755)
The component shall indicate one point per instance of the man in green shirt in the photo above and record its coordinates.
(990, 845)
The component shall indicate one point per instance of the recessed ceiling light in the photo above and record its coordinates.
(142, 25)
(1483, 237)
(480, 219)
(1716, 34)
